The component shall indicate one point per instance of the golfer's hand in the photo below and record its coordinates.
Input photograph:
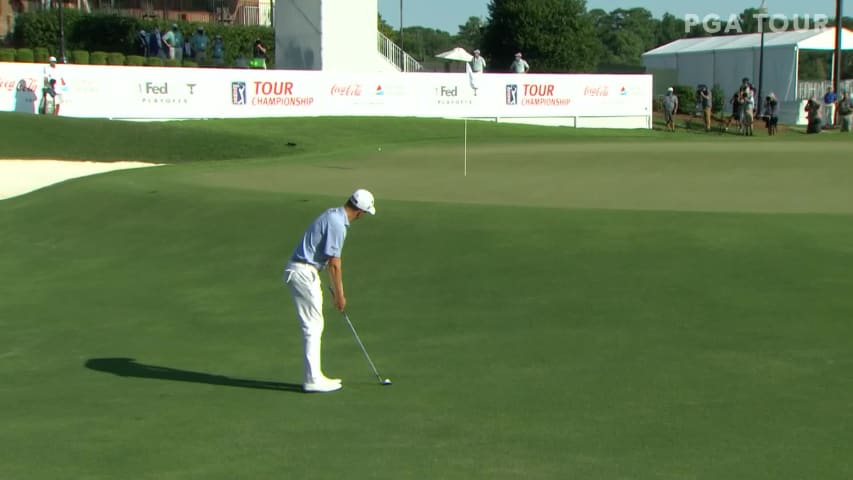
(340, 302)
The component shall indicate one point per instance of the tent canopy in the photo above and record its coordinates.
(802, 39)
(725, 60)
(458, 54)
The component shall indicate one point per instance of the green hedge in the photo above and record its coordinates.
(24, 55)
(100, 32)
(687, 98)
(115, 58)
(98, 58)
(718, 98)
(135, 60)
(80, 57)
(40, 55)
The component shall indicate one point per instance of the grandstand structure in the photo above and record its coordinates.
(335, 36)
(329, 35)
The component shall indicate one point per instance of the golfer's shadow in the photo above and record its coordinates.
(128, 367)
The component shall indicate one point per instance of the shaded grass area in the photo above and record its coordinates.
(32, 136)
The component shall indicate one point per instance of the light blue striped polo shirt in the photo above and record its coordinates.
(323, 239)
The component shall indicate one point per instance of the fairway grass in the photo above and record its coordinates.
(624, 306)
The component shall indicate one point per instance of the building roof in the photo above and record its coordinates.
(802, 39)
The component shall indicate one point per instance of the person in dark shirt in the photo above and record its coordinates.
(771, 113)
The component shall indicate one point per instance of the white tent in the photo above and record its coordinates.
(726, 60)
(459, 54)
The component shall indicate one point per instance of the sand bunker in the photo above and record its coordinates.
(18, 177)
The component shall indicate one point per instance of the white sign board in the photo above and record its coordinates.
(182, 93)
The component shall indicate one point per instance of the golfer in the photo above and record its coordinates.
(320, 248)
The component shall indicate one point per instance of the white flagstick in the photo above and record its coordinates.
(466, 147)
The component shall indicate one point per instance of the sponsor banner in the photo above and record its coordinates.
(161, 93)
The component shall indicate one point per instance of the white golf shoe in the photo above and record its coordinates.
(323, 385)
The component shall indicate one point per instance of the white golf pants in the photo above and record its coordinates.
(303, 280)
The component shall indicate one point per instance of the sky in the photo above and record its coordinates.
(447, 15)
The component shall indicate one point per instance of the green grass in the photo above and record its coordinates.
(584, 304)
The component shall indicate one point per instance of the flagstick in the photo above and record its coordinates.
(466, 147)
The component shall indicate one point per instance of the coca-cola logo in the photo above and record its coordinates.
(20, 84)
(599, 91)
(346, 90)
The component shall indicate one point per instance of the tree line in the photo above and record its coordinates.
(560, 36)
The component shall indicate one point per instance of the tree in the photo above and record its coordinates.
(470, 35)
(554, 35)
(625, 34)
(385, 28)
(422, 42)
(670, 28)
(748, 21)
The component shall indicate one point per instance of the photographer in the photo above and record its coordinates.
(737, 112)
(771, 113)
(259, 55)
(845, 111)
(703, 96)
(813, 115)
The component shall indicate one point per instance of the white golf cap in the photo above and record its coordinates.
(363, 200)
(51, 59)
(669, 89)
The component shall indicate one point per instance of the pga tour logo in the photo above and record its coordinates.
(512, 94)
(238, 93)
(713, 23)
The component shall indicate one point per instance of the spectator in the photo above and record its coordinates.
(142, 43)
(813, 115)
(829, 100)
(705, 97)
(155, 41)
(519, 65)
(217, 52)
(199, 45)
(188, 48)
(670, 108)
(748, 110)
(478, 63)
(51, 79)
(845, 111)
(737, 111)
(169, 42)
(178, 43)
(771, 113)
(259, 55)
(749, 86)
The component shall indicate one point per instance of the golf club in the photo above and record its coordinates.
(386, 381)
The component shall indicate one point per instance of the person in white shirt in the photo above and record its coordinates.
(51, 73)
(478, 63)
(520, 65)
